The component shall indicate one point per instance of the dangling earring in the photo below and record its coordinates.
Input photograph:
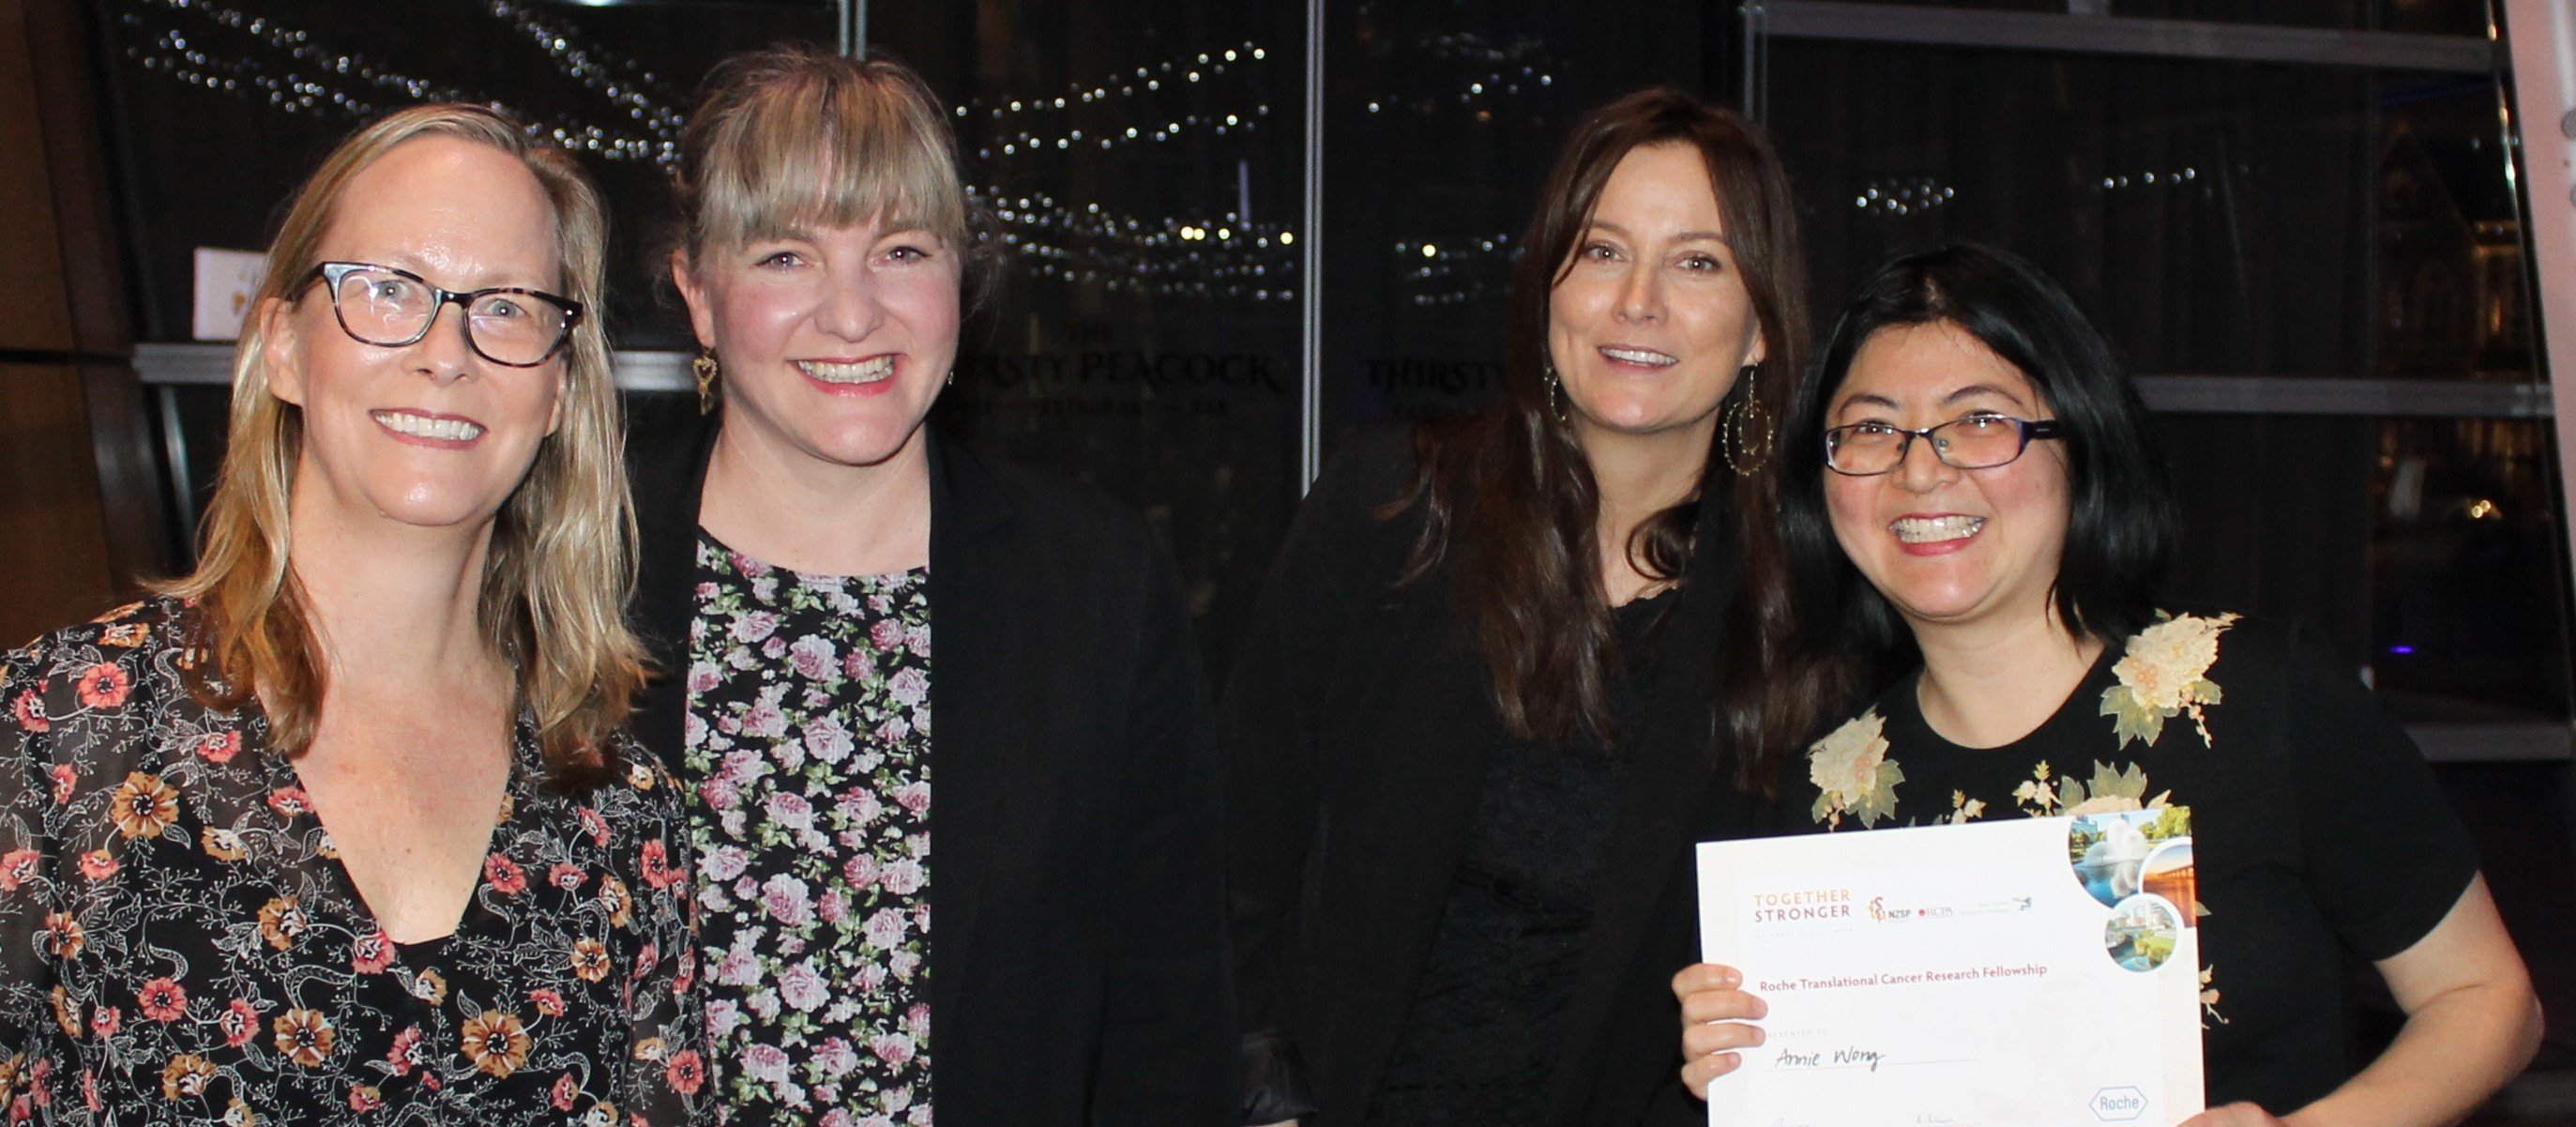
(1555, 388)
(704, 367)
(1744, 435)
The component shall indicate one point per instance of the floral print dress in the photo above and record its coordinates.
(808, 744)
(2316, 826)
(180, 944)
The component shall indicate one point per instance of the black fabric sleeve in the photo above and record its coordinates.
(1267, 731)
(1166, 1054)
(2385, 857)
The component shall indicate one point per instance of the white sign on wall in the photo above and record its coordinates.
(226, 279)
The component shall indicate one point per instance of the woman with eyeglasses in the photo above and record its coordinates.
(941, 718)
(1969, 470)
(341, 828)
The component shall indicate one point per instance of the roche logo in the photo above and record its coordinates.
(2119, 1105)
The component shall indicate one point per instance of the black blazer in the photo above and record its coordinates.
(1078, 970)
(1356, 727)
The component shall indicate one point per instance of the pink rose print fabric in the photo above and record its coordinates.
(808, 754)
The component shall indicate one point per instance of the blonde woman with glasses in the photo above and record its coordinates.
(339, 828)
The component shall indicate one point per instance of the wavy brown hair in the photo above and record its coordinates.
(562, 554)
(1508, 497)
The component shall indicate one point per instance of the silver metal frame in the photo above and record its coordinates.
(2122, 35)
(2544, 89)
(181, 365)
(1310, 289)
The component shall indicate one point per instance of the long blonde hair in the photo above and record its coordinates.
(562, 556)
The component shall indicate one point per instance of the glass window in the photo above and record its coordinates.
(220, 110)
(2360, 224)
(1146, 175)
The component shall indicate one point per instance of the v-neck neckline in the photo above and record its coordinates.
(333, 869)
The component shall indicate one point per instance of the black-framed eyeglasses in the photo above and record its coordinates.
(391, 307)
(1979, 442)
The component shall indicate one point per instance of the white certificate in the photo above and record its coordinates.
(2030, 972)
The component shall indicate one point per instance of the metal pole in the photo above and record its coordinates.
(1310, 406)
(2543, 37)
(854, 27)
(183, 484)
(1755, 81)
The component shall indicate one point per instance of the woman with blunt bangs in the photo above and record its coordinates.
(340, 827)
(2016, 547)
(1496, 684)
(802, 532)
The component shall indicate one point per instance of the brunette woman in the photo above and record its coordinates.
(1490, 697)
(800, 539)
(1970, 469)
(339, 829)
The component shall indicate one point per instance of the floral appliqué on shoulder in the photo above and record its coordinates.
(2163, 674)
(2110, 791)
(1850, 766)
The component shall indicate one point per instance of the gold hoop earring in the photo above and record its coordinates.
(704, 368)
(1744, 435)
(1555, 388)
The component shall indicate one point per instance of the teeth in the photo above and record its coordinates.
(1933, 530)
(869, 370)
(422, 426)
(1639, 356)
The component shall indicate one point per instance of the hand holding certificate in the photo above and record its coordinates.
(2037, 972)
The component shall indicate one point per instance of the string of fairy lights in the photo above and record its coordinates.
(637, 117)
(1029, 126)
(306, 76)
(1222, 257)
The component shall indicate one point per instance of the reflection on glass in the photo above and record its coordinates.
(220, 108)
(2467, 563)
(2218, 218)
(2428, 551)
(1440, 121)
(1144, 175)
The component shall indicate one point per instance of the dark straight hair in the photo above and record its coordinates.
(1509, 498)
(2120, 520)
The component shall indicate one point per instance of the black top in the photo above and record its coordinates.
(2316, 826)
(1480, 1041)
(1079, 970)
(179, 942)
(1358, 728)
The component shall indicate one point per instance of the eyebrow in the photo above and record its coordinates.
(490, 277)
(1976, 389)
(1684, 237)
(1969, 392)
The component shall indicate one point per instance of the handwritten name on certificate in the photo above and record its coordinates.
(2040, 972)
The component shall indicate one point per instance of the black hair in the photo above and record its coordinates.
(2120, 525)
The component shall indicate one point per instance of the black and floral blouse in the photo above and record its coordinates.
(2316, 827)
(808, 746)
(180, 944)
